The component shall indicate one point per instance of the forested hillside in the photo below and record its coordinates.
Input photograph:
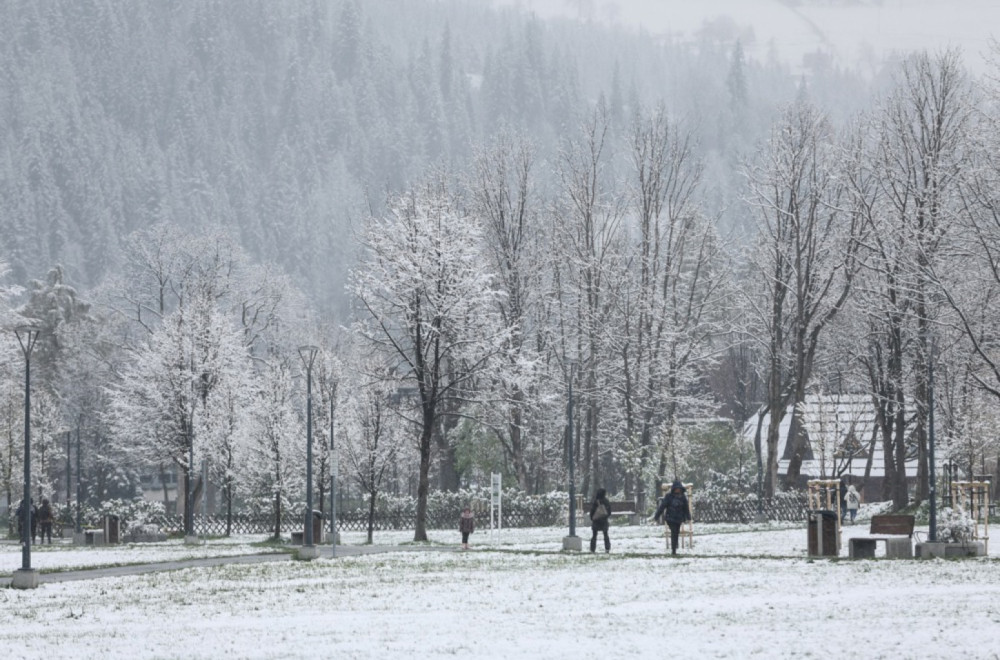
(511, 245)
(282, 120)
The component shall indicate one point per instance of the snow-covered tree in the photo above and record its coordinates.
(919, 156)
(273, 463)
(428, 305)
(671, 303)
(588, 265)
(804, 261)
(374, 432)
(503, 196)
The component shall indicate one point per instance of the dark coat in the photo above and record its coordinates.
(467, 524)
(45, 514)
(600, 498)
(674, 507)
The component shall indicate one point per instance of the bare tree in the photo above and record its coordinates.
(588, 268)
(667, 303)
(374, 431)
(805, 260)
(923, 129)
(503, 196)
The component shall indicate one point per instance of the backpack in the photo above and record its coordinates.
(677, 509)
(600, 513)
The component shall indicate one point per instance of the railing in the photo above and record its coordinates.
(745, 510)
(723, 510)
(353, 521)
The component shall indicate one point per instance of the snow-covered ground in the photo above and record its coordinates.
(740, 592)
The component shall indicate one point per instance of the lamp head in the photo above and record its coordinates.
(308, 355)
(27, 335)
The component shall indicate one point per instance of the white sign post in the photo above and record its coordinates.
(496, 504)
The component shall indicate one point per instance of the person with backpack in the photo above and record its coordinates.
(45, 519)
(853, 498)
(675, 511)
(600, 511)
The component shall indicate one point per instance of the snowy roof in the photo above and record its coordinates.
(841, 437)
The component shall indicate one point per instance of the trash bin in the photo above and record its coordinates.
(111, 530)
(317, 520)
(823, 534)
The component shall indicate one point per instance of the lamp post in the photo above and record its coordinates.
(333, 477)
(69, 475)
(932, 490)
(78, 527)
(308, 551)
(26, 577)
(571, 542)
(190, 538)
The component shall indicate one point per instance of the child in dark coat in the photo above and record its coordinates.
(466, 525)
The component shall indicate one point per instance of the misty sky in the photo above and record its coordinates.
(857, 33)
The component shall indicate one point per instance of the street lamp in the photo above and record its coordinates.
(932, 491)
(78, 527)
(308, 551)
(69, 475)
(26, 577)
(571, 542)
(190, 538)
(333, 475)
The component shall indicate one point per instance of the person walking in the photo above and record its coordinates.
(600, 511)
(466, 525)
(853, 499)
(675, 510)
(45, 519)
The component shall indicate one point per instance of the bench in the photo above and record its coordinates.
(623, 508)
(626, 508)
(895, 530)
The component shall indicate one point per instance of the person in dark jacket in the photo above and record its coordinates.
(466, 525)
(34, 521)
(45, 520)
(21, 527)
(600, 511)
(674, 510)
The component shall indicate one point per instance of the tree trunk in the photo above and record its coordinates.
(371, 516)
(426, 435)
(277, 517)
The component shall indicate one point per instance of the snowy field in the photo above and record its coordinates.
(740, 592)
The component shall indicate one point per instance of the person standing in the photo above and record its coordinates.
(853, 499)
(34, 521)
(45, 519)
(466, 525)
(675, 510)
(600, 512)
(22, 527)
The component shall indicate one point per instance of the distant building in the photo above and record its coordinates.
(841, 441)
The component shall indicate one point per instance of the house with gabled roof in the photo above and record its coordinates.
(841, 441)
